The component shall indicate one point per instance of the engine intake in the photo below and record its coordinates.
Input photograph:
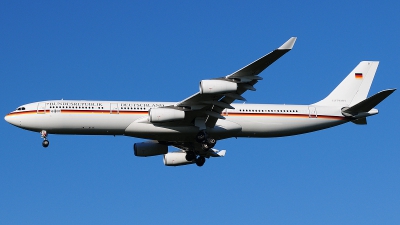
(176, 159)
(165, 115)
(149, 149)
(217, 86)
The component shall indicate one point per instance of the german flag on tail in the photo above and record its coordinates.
(359, 75)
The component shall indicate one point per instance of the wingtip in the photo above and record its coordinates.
(392, 90)
(288, 44)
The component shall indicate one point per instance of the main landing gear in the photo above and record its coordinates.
(205, 141)
(45, 142)
(206, 144)
(200, 161)
(191, 155)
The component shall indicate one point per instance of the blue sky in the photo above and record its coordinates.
(159, 51)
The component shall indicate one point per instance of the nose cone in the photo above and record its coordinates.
(9, 119)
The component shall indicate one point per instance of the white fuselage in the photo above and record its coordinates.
(131, 119)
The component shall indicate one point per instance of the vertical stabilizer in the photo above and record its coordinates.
(354, 88)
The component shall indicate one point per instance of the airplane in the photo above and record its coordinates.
(195, 124)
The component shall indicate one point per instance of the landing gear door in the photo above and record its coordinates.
(312, 112)
(114, 108)
(41, 109)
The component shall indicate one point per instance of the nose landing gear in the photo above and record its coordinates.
(43, 135)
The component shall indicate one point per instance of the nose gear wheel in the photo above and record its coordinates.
(45, 142)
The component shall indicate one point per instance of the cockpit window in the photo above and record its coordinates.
(21, 108)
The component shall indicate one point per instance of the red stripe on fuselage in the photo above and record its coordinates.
(64, 111)
(285, 115)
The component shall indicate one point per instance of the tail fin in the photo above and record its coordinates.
(354, 88)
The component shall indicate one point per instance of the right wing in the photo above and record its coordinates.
(211, 105)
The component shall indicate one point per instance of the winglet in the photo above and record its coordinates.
(288, 44)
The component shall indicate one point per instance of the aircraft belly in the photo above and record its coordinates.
(223, 129)
(278, 127)
(160, 132)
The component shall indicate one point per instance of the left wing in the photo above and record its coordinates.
(215, 95)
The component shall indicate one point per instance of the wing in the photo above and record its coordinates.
(206, 106)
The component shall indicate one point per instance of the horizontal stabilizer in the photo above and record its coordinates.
(361, 121)
(222, 153)
(367, 104)
(216, 153)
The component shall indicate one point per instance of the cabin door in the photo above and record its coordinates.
(114, 108)
(41, 109)
(312, 112)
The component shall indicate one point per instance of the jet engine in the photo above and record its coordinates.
(217, 86)
(165, 115)
(149, 149)
(176, 159)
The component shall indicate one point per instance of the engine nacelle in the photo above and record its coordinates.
(165, 115)
(149, 149)
(217, 86)
(176, 159)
